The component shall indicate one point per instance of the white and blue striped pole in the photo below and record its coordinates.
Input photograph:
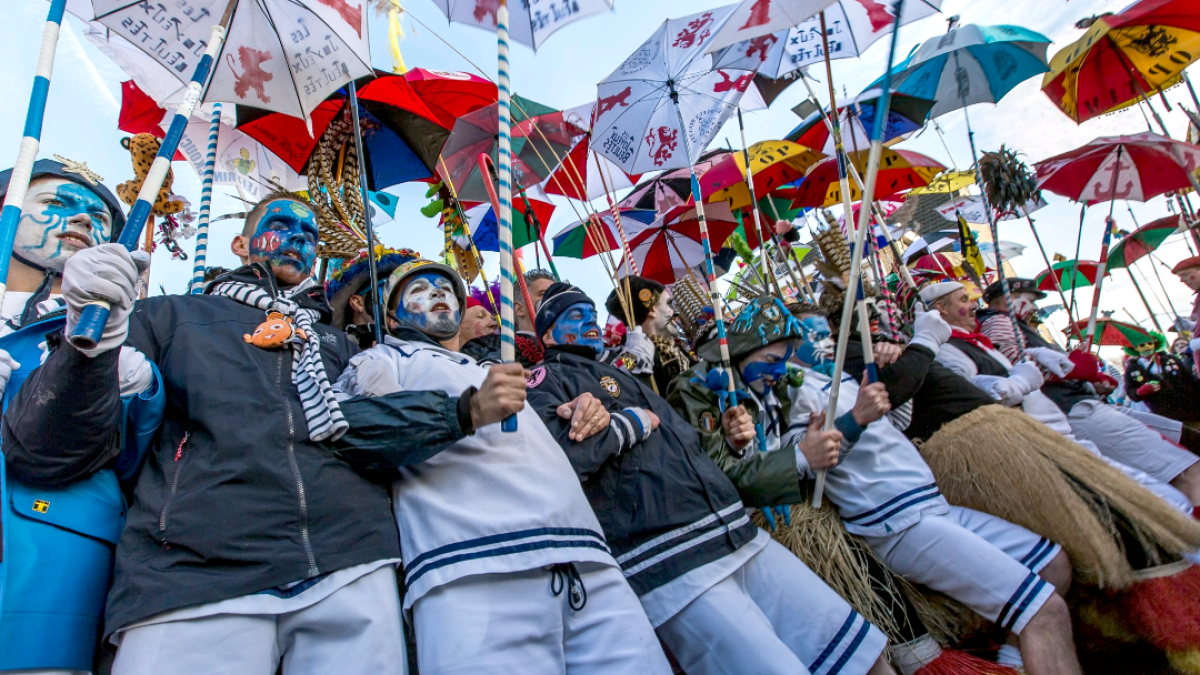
(94, 317)
(210, 165)
(508, 349)
(18, 184)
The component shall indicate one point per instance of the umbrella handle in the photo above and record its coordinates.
(90, 327)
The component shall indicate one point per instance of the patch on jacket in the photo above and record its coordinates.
(708, 422)
(536, 377)
(610, 385)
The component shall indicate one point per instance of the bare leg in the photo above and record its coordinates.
(1047, 647)
(1188, 483)
(1057, 573)
(881, 667)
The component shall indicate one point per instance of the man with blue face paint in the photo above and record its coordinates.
(887, 495)
(723, 596)
(246, 529)
(506, 569)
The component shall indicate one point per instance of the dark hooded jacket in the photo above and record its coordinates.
(233, 498)
(654, 494)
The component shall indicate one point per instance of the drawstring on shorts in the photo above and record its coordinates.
(566, 576)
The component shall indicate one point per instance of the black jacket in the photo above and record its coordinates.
(1064, 393)
(938, 394)
(233, 498)
(1179, 391)
(665, 486)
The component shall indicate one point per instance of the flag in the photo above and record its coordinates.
(970, 249)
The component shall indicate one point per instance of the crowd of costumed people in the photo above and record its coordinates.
(815, 422)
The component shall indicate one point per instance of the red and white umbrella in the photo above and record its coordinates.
(1137, 168)
(664, 250)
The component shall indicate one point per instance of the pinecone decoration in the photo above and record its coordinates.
(1008, 182)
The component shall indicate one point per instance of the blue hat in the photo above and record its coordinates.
(557, 299)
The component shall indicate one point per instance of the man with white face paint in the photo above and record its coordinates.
(652, 349)
(498, 539)
(1072, 381)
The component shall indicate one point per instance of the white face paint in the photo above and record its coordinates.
(1023, 305)
(428, 302)
(58, 218)
(663, 312)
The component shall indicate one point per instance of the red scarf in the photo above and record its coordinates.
(977, 339)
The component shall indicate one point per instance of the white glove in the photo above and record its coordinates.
(135, 374)
(930, 330)
(107, 273)
(7, 366)
(1003, 390)
(638, 344)
(1052, 360)
(1027, 376)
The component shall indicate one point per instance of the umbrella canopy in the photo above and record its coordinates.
(664, 251)
(1139, 243)
(530, 22)
(1071, 274)
(450, 95)
(853, 25)
(946, 183)
(1138, 51)
(1008, 251)
(662, 107)
(402, 135)
(971, 64)
(772, 163)
(583, 174)
(575, 241)
(906, 114)
(484, 230)
(1111, 333)
(899, 170)
(767, 206)
(1137, 167)
(326, 46)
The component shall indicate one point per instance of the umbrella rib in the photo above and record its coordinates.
(278, 39)
(651, 95)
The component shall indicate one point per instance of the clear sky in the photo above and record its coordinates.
(85, 98)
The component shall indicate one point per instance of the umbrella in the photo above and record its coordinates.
(1123, 57)
(1136, 167)
(402, 136)
(663, 251)
(583, 174)
(906, 114)
(1071, 274)
(1141, 242)
(530, 22)
(899, 170)
(484, 226)
(971, 64)
(575, 241)
(1008, 251)
(540, 138)
(772, 163)
(450, 95)
(948, 183)
(853, 26)
(1112, 333)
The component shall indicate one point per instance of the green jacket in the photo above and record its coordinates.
(762, 478)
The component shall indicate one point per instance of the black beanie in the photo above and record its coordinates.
(49, 168)
(557, 299)
(644, 293)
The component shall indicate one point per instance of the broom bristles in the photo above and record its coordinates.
(1165, 610)
(953, 662)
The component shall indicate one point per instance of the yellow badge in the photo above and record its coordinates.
(644, 295)
(41, 505)
(610, 385)
(708, 422)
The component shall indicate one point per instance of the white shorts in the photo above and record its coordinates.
(355, 630)
(1128, 440)
(772, 616)
(984, 562)
(499, 624)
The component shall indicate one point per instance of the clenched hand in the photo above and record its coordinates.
(502, 394)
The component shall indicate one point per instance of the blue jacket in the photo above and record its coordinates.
(58, 543)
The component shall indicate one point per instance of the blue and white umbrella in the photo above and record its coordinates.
(971, 64)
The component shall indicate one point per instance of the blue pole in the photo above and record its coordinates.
(210, 164)
(10, 217)
(91, 324)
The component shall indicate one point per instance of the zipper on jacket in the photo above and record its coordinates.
(313, 570)
(162, 515)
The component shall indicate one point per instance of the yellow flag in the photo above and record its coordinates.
(970, 249)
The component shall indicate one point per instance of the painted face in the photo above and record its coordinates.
(428, 303)
(1023, 305)
(286, 236)
(577, 325)
(1191, 277)
(1146, 348)
(58, 218)
(765, 366)
(663, 311)
(958, 309)
(477, 322)
(816, 345)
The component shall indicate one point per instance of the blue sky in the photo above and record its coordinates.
(85, 99)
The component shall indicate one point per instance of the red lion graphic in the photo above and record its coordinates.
(760, 14)
(484, 8)
(620, 99)
(351, 15)
(878, 14)
(254, 77)
(762, 45)
(663, 142)
(695, 33)
(727, 84)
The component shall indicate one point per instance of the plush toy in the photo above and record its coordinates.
(276, 331)
(142, 150)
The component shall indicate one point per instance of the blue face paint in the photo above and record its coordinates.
(286, 236)
(428, 303)
(754, 374)
(44, 235)
(578, 325)
(816, 346)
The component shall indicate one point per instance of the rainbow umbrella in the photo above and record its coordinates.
(1070, 273)
(1112, 333)
(1139, 243)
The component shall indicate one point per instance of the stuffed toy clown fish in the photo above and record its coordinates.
(276, 331)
